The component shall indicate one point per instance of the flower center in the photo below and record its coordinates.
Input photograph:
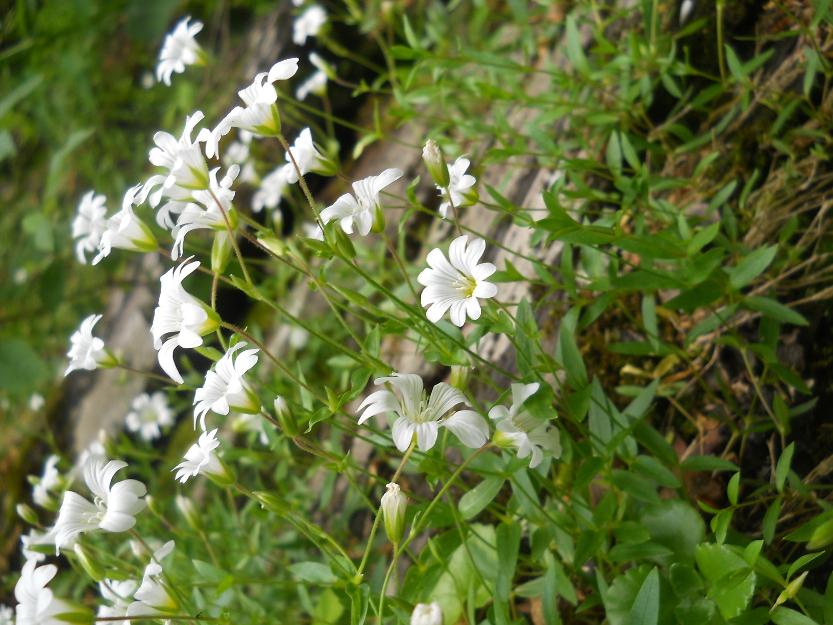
(102, 512)
(465, 284)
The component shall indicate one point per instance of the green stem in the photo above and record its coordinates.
(232, 237)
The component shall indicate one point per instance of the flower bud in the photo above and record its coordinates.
(89, 564)
(274, 245)
(822, 537)
(189, 512)
(427, 614)
(27, 514)
(435, 163)
(221, 251)
(285, 417)
(791, 590)
(460, 377)
(394, 507)
(153, 505)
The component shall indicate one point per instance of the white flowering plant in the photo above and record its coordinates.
(485, 352)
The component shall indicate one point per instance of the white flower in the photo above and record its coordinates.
(362, 208)
(178, 50)
(272, 188)
(456, 284)
(181, 314)
(126, 231)
(34, 537)
(153, 597)
(36, 402)
(427, 614)
(119, 594)
(317, 82)
(113, 510)
(50, 480)
(209, 215)
(150, 412)
(308, 24)
(87, 351)
(520, 429)
(89, 224)
(36, 603)
(306, 156)
(6, 615)
(225, 387)
(237, 153)
(424, 418)
(200, 458)
(261, 115)
(460, 181)
(187, 171)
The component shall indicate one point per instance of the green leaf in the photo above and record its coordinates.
(313, 572)
(614, 154)
(752, 266)
(783, 466)
(803, 560)
(785, 616)
(645, 610)
(684, 580)
(775, 310)
(822, 537)
(631, 533)
(549, 602)
(732, 489)
(676, 525)
(404, 53)
(827, 606)
(575, 51)
(651, 468)
(790, 377)
(620, 598)
(588, 470)
(227, 582)
(21, 369)
(209, 572)
(508, 546)
(474, 501)
(573, 363)
(212, 353)
(771, 519)
(717, 562)
(627, 552)
(721, 196)
(806, 531)
(708, 463)
(635, 486)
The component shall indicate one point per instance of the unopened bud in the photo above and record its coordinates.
(460, 377)
(285, 417)
(394, 508)
(89, 564)
(435, 164)
(427, 614)
(153, 505)
(791, 590)
(274, 245)
(27, 514)
(189, 512)
(221, 251)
